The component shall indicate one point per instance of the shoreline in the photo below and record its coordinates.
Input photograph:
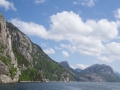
(46, 81)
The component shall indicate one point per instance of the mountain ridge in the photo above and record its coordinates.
(96, 73)
(66, 65)
(22, 60)
(100, 73)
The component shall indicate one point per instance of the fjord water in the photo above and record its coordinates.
(61, 86)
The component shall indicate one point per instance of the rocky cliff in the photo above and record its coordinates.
(22, 60)
(9, 71)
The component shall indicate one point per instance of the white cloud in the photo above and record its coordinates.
(39, 1)
(30, 28)
(57, 48)
(49, 51)
(75, 2)
(81, 66)
(88, 37)
(105, 59)
(112, 52)
(89, 3)
(73, 67)
(117, 13)
(65, 54)
(44, 44)
(113, 48)
(7, 5)
(72, 48)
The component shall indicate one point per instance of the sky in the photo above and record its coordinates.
(82, 32)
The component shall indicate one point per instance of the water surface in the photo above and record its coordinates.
(61, 86)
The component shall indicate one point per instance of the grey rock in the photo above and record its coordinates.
(6, 52)
(4, 69)
(5, 79)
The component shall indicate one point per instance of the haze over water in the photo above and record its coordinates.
(61, 86)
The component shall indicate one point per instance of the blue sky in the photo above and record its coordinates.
(82, 32)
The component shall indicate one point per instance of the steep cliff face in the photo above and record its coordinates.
(8, 62)
(20, 59)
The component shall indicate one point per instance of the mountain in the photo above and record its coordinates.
(66, 65)
(94, 73)
(118, 74)
(98, 73)
(72, 71)
(22, 60)
(78, 69)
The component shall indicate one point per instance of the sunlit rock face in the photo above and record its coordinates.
(22, 60)
(8, 61)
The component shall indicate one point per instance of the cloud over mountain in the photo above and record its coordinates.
(90, 37)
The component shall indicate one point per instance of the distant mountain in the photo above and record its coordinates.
(78, 69)
(94, 73)
(66, 65)
(72, 71)
(118, 74)
(98, 73)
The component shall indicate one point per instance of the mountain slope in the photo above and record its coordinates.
(98, 73)
(94, 73)
(118, 74)
(72, 71)
(22, 60)
(66, 65)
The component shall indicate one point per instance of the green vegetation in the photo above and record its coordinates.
(12, 71)
(30, 75)
(2, 48)
(43, 67)
(7, 62)
(51, 70)
(20, 58)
